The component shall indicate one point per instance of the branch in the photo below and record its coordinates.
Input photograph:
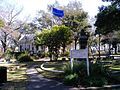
(13, 16)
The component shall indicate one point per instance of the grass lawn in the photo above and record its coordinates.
(16, 77)
(50, 75)
(115, 67)
(59, 65)
(52, 66)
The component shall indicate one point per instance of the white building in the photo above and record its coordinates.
(27, 43)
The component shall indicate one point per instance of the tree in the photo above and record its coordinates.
(108, 20)
(113, 2)
(29, 28)
(58, 36)
(112, 39)
(8, 33)
(65, 36)
(44, 20)
(75, 18)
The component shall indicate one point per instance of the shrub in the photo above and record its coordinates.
(67, 53)
(24, 58)
(67, 69)
(78, 68)
(17, 54)
(97, 69)
(116, 62)
(71, 79)
(41, 54)
(94, 81)
(98, 74)
(97, 81)
(46, 54)
(71, 76)
(63, 59)
(8, 54)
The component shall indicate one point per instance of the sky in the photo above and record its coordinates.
(30, 7)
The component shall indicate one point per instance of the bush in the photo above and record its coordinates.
(63, 59)
(100, 81)
(78, 68)
(67, 53)
(41, 54)
(94, 81)
(17, 54)
(116, 62)
(8, 54)
(97, 69)
(98, 74)
(24, 58)
(71, 79)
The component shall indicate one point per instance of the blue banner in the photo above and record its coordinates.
(58, 13)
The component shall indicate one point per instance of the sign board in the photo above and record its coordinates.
(82, 53)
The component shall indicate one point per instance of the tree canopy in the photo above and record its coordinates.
(75, 17)
(58, 36)
(108, 18)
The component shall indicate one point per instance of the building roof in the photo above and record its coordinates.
(27, 38)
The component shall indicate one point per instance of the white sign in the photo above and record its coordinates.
(82, 53)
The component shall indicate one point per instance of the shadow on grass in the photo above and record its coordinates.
(14, 85)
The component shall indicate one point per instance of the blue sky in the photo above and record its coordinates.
(30, 7)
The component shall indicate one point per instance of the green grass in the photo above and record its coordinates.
(16, 77)
(54, 65)
(49, 75)
(115, 67)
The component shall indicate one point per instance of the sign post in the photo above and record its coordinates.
(82, 53)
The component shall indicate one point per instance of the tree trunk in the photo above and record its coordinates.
(115, 49)
(4, 45)
(75, 43)
(50, 53)
(109, 49)
(64, 49)
(99, 46)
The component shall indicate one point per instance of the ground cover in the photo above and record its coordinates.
(52, 66)
(16, 77)
(60, 65)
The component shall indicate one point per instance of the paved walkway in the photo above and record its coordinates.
(38, 82)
